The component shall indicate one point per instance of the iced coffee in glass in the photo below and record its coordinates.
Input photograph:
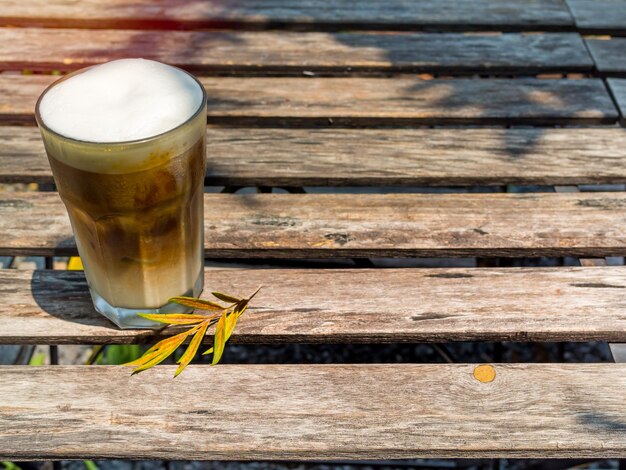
(126, 143)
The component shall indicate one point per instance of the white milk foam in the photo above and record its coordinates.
(122, 100)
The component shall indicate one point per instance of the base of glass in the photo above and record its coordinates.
(127, 318)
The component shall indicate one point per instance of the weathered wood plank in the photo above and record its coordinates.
(344, 306)
(23, 157)
(403, 101)
(372, 157)
(292, 53)
(18, 95)
(618, 350)
(351, 225)
(599, 16)
(618, 89)
(481, 15)
(608, 54)
(271, 101)
(296, 412)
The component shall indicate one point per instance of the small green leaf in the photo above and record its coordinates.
(90, 465)
(10, 466)
(225, 298)
(200, 304)
(37, 360)
(120, 353)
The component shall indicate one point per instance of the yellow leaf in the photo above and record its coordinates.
(168, 344)
(220, 339)
(75, 264)
(200, 304)
(161, 355)
(231, 321)
(148, 357)
(225, 298)
(255, 293)
(174, 318)
(225, 326)
(145, 355)
(191, 350)
(240, 308)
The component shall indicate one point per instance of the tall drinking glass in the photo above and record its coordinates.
(136, 209)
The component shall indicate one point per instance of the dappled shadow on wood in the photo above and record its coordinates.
(435, 15)
(603, 420)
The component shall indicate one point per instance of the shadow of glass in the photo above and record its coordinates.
(65, 295)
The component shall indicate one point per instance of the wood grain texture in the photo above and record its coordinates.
(375, 157)
(292, 53)
(345, 306)
(608, 55)
(22, 156)
(311, 14)
(618, 350)
(344, 102)
(599, 16)
(618, 90)
(300, 412)
(356, 225)
(18, 95)
(406, 101)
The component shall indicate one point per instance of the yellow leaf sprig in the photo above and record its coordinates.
(224, 320)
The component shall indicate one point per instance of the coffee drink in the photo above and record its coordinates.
(126, 143)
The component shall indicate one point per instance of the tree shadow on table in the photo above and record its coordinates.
(414, 101)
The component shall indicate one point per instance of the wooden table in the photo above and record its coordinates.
(437, 93)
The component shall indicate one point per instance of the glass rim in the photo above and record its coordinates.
(42, 124)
